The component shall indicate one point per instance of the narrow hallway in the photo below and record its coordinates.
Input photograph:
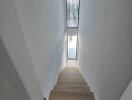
(71, 86)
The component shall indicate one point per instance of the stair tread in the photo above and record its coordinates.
(75, 91)
(71, 82)
(71, 86)
(54, 92)
(63, 95)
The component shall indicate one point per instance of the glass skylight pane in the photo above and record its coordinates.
(72, 13)
(72, 47)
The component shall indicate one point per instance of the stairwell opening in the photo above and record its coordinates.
(70, 84)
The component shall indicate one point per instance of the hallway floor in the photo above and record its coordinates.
(71, 86)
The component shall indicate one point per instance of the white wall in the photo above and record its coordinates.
(6, 91)
(14, 40)
(106, 46)
(127, 95)
(39, 42)
(8, 71)
(43, 25)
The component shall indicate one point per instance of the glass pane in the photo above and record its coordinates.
(72, 47)
(72, 13)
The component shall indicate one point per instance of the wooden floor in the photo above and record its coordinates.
(71, 86)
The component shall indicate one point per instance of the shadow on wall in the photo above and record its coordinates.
(9, 72)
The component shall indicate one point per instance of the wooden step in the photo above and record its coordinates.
(72, 89)
(71, 86)
(70, 77)
(76, 85)
(71, 82)
(63, 95)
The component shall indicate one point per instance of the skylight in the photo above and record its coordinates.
(72, 13)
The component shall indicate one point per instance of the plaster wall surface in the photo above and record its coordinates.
(6, 91)
(15, 43)
(105, 40)
(127, 95)
(11, 77)
(33, 33)
(43, 24)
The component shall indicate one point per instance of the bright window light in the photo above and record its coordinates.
(72, 13)
(72, 47)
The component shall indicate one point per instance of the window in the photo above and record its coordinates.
(72, 21)
(72, 13)
(72, 47)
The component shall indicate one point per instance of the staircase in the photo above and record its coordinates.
(71, 86)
